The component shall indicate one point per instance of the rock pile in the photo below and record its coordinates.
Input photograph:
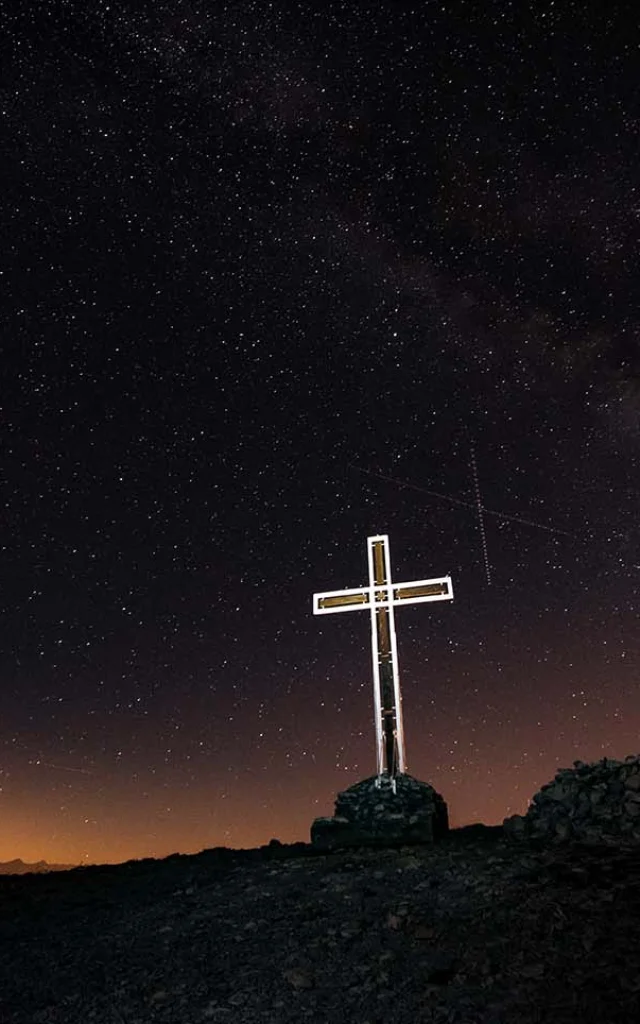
(592, 803)
(371, 813)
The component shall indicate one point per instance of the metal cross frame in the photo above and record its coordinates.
(380, 598)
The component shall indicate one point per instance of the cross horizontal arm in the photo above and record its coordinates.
(341, 601)
(416, 592)
(440, 589)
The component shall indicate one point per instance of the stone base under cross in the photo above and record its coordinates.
(370, 815)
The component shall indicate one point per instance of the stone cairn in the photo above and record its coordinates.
(591, 803)
(370, 815)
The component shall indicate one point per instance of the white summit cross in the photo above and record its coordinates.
(380, 597)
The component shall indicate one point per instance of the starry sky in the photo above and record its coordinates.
(275, 276)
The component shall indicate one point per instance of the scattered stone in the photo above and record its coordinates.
(238, 998)
(591, 803)
(298, 977)
(374, 812)
(158, 996)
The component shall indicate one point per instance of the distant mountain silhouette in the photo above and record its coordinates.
(18, 867)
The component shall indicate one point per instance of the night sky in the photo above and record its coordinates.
(273, 274)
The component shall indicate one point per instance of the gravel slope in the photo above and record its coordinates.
(476, 930)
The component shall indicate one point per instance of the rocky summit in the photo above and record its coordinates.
(478, 925)
(379, 812)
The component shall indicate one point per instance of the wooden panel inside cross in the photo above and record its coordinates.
(381, 597)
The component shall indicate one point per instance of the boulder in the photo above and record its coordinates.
(375, 813)
(592, 803)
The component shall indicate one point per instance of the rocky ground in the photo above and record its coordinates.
(474, 930)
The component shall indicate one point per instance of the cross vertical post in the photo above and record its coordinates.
(381, 597)
(386, 682)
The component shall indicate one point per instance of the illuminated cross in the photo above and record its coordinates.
(380, 597)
